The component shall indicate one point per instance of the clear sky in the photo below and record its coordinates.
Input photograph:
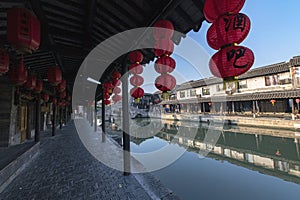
(274, 37)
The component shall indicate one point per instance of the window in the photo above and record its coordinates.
(243, 84)
(192, 93)
(205, 91)
(271, 80)
(182, 94)
(219, 87)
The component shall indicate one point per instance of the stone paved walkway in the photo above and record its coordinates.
(64, 169)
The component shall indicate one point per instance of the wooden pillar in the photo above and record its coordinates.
(293, 109)
(37, 118)
(53, 119)
(95, 117)
(125, 116)
(60, 117)
(28, 130)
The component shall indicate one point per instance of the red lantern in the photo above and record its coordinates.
(137, 92)
(117, 90)
(62, 86)
(165, 82)
(54, 75)
(39, 86)
(163, 29)
(136, 57)
(62, 94)
(116, 75)
(31, 82)
(4, 62)
(273, 101)
(116, 83)
(231, 61)
(23, 29)
(136, 68)
(108, 85)
(228, 29)
(164, 47)
(164, 64)
(215, 8)
(106, 102)
(54, 100)
(45, 97)
(116, 98)
(18, 75)
(106, 95)
(136, 80)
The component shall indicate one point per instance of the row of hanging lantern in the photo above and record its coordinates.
(116, 83)
(228, 29)
(164, 47)
(136, 57)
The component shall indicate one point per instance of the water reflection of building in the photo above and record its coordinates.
(252, 92)
(253, 151)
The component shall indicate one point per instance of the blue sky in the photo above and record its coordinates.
(274, 37)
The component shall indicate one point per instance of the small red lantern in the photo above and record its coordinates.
(164, 64)
(165, 82)
(18, 74)
(163, 29)
(23, 29)
(273, 101)
(31, 82)
(4, 62)
(108, 85)
(163, 47)
(45, 97)
(106, 102)
(228, 29)
(116, 98)
(54, 100)
(137, 92)
(62, 86)
(116, 83)
(136, 57)
(116, 75)
(39, 86)
(54, 75)
(215, 8)
(231, 61)
(106, 95)
(117, 90)
(136, 68)
(136, 80)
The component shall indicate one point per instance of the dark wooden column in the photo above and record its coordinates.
(126, 137)
(37, 118)
(53, 119)
(95, 117)
(28, 131)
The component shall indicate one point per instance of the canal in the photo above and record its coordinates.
(243, 163)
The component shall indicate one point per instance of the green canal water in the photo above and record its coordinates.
(241, 166)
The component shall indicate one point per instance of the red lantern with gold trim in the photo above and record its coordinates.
(231, 61)
(215, 8)
(165, 82)
(23, 29)
(136, 57)
(136, 80)
(228, 29)
(136, 92)
(4, 62)
(273, 101)
(54, 75)
(164, 64)
(163, 29)
(163, 47)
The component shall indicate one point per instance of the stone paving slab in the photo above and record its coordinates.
(64, 169)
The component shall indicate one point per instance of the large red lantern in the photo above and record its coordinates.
(136, 57)
(39, 86)
(116, 75)
(231, 61)
(23, 29)
(165, 82)
(215, 8)
(163, 29)
(136, 68)
(18, 74)
(163, 47)
(45, 97)
(54, 75)
(4, 62)
(62, 86)
(31, 82)
(136, 80)
(137, 92)
(116, 98)
(228, 29)
(164, 64)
